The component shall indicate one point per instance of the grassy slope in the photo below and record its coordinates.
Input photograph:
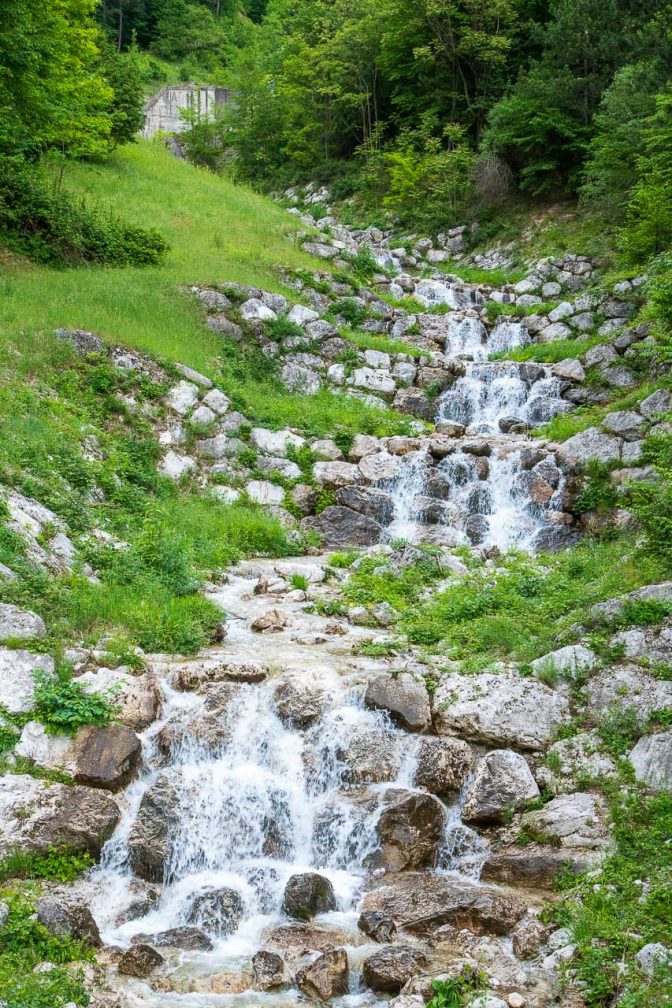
(218, 231)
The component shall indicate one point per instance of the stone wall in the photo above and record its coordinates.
(162, 112)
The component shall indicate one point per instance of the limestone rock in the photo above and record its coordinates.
(268, 969)
(503, 782)
(21, 624)
(139, 961)
(298, 706)
(652, 760)
(36, 816)
(341, 526)
(149, 840)
(326, 977)
(377, 925)
(175, 466)
(307, 895)
(498, 709)
(379, 467)
(182, 397)
(410, 831)
(421, 902)
(255, 309)
(567, 661)
(218, 911)
(264, 492)
(371, 757)
(272, 621)
(390, 968)
(336, 474)
(534, 866)
(274, 442)
(572, 758)
(575, 820)
(17, 685)
(443, 765)
(628, 688)
(528, 936)
(404, 697)
(592, 444)
(136, 697)
(659, 402)
(570, 369)
(189, 938)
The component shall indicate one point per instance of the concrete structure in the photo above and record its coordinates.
(162, 112)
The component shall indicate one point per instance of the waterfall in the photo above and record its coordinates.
(406, 490)
(490, 392)
(467, 336)
(254, 804)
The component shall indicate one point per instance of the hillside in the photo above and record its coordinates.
(336, 526)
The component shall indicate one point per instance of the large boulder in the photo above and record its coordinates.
(378, 467)
(652, 760)
(191, 939)
(628, 688)
(107, 757)
(341, 526)
(101, 757)
(592, 444)
(575, 820)
(443, 765)
(388, 969)
(410, 831)
(499, 710)
(503, 783)
(568, 661)
(274, 442)
(371, 757)
(37, 816)
(17, 685)
(571, 759)
(534, 866)
(421, 902)
(336, 474)
(136, 697)
(20, 624)
(404, 697)
(307, 895)
(149, 840)
(326, 977)
(218, 911)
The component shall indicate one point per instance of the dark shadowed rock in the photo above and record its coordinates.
(410, 831)
(268, 969)
(369, 501)
(219, 911)
(326, 977)
(421, 902)
(108, 757)
(533, 866)
(149, 841)
(443, 765)
(62, 919)
(308, 894)
(377, 925)
(139, 961)
(390, 968)
(405, 698)
(341, 526)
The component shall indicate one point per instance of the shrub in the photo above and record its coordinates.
(63, 706)
(52, 227)
(56, 865)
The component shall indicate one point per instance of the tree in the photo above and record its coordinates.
(52, 91)
(123, 74)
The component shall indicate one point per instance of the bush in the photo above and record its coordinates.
(56, 865)
(63, 706)
(51, 227)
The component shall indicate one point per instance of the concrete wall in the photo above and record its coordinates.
(162, 112)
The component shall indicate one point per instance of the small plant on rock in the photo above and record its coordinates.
(63, 706)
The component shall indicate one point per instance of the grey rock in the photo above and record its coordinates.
(498, 709)
(326, 977)
(307, 895)
(341, 526)
(268, 969)
(139, 961)
(592, 444)
(21, 624)
(390, 968)
(659, 402)
(17, 684)
(443, 765)
(652, 760)
(652, 956)
(503, 783)
(149, 840)
(626, 423)
(410, 831)
(576, 820)
(191, 939)
(378, 926)
(62, 919)
(218, 911)
(405, 698)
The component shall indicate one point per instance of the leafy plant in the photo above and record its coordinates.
(63, 706)
(454, 991)
(57, 865)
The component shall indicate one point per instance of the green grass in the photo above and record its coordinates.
(371, 341)
(550, 353)
(476, 275)
(565, 426)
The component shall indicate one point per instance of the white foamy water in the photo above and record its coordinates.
(489, 392)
